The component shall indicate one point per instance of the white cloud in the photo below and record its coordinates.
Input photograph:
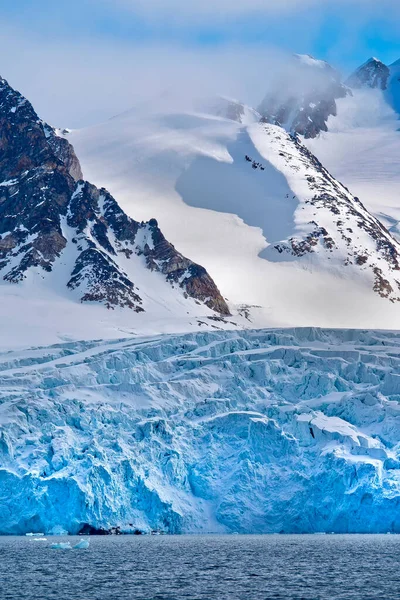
(78, 83)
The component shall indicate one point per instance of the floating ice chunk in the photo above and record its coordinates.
(58, 530)
(61, 546)
(35, 534)
(39, 539)
(82, 545)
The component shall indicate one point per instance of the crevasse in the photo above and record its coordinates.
(291, 430)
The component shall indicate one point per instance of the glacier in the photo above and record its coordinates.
(262, 431)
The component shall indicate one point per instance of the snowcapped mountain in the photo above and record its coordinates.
(62, 232)
(239, 196)
(293, 431)
(261, 214)
(362, 146)
(372, 74)
(304, 96)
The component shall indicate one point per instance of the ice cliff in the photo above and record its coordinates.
(260, 431)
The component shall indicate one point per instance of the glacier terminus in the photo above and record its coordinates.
(284, 430)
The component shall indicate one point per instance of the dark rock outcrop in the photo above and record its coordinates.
(373, 74)
(304, 98)
(50, 218)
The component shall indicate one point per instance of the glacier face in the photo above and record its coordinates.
(291, 430)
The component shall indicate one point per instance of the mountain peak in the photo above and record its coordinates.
(372, 74)
(373, 59)
(304, 97)
(54, 226)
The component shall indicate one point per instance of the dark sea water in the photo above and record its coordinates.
(203, 567)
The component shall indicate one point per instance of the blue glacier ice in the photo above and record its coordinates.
(61, 546)
(294, 430)
(82, 545)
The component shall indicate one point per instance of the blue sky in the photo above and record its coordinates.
(149, 40)
(345, 32)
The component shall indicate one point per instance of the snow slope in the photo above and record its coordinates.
(362, 149)
(64, 242)
(189, 169)
(263, 431)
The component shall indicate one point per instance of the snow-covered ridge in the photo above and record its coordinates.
(60, 231)
(241, 190)
(329, 219)
(362, 145)
(275, 430)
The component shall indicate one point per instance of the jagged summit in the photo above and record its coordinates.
(372, 74)
(304, 97)
(40, 142)
(56, 227)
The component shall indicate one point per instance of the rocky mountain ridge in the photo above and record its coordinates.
(52, 220)
(305, 97)
(336, 228)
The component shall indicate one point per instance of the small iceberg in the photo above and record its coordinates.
(39, 539)
(58, 530)
(61, 546)
(34, 534)
(82, 545)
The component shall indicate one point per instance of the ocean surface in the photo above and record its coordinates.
(235, 567)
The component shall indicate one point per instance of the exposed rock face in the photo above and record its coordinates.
(162, 256)
(26, 141)
(372, 74)
(336, 226)
(46, 215)
(65, 152)
(304, 98)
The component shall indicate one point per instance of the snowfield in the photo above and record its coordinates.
(261, 431)
(189, 171)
